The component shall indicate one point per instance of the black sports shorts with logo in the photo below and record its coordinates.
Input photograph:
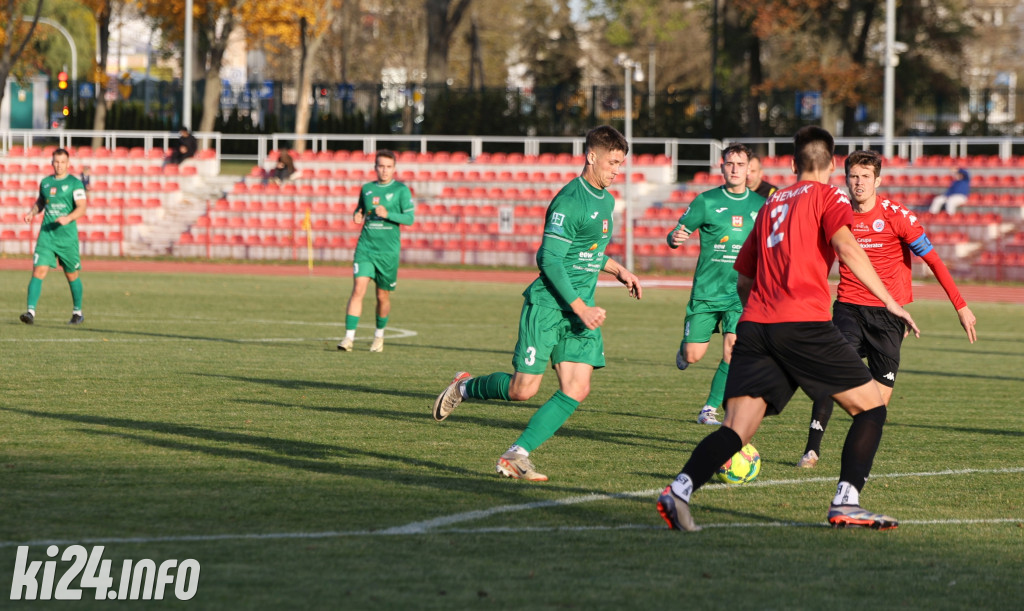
(771, 360)
(875, 333)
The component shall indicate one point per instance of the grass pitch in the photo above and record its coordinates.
(211, 417)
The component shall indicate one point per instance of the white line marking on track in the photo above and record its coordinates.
(434, 526)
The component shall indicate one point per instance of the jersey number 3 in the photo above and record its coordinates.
(779, 215)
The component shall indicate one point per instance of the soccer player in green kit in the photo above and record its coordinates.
(62, 200)
(724, 216)
(384, 205)
(559, 321)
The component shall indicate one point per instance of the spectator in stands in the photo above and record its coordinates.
(185, 148)
(754, 178)
(955, 196)
(283, 170)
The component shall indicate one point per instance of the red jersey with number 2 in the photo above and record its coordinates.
(789, 256)
(884, 232)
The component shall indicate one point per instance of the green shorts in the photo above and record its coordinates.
(383, 270)
(705, 318)
(66, 253)
(556, 335)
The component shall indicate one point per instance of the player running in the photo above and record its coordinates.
(62, 200)
(786, 338)
(888, 232)
(559, 321)
(724, 217)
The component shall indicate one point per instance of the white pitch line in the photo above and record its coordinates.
(391, 333)
(429, 526)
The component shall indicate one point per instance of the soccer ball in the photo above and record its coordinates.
(743, 467)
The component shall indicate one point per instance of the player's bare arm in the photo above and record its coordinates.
(623, 275)
(678, 236)
(591, 316)
(967, 321)
(854, 257)
(743, 286)
(80, 206)
(37, 207)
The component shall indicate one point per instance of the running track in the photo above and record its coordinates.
(971, 292)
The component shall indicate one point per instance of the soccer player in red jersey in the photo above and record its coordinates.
(888, 232)
(786, 338)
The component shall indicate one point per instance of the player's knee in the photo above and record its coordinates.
(521, 393)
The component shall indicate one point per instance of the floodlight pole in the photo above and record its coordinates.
(186, 71)
(889, 93)
(629, 65)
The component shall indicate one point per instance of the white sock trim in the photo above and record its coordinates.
(682, 486)
(846, 494)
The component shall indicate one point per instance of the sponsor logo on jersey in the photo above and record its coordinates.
(912, 219)
(878, 225)
(604, 226)
(53, 190)
(594, 247)
(720, 210)
(586, 255)
(376, 200)
(594, 216)
(557, 218)
(737, 221)
(890, 376)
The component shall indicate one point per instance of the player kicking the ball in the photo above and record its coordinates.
(786, 338)
(888, 232)
(559, 321)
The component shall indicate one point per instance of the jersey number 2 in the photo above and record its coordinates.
(779, 215)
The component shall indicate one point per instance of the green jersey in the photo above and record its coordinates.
(724, 220)
(577, 231)
(383, 236)
(59, 196)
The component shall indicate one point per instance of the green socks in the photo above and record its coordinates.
(76, 294)
(717, 393)
(381, 322)
(35, 288)
(548, 419)
(351, 322)
(493, 386)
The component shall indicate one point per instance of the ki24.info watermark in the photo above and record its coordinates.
(80, 569)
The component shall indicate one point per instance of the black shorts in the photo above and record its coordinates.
(771, 360)
(875, 333)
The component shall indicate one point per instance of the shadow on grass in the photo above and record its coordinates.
(967, 376)
(958, 429)
(325, 459)
(627, 439)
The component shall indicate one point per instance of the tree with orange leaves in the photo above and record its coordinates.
(285, 27)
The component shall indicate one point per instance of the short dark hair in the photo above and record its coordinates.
(736, 149)
(63, 152)
(813, 148)
(606, 137)
(867, 158)
(385, 153)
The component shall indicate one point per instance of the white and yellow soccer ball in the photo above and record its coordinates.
(743, 467)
